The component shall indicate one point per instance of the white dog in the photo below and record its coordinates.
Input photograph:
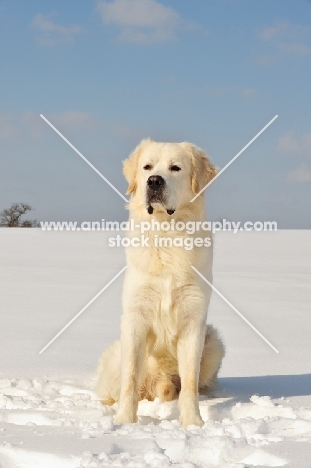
(166, 348)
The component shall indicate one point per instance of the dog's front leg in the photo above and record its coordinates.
(189, 352)
(133, 344)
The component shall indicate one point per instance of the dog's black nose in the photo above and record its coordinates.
(155, 182)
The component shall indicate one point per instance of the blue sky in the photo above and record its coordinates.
(109, 73)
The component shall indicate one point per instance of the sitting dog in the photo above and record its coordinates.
(166, 349)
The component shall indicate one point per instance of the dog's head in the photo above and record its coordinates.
(167, 175)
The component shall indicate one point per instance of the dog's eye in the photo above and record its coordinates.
(175, 168)
(147, 167)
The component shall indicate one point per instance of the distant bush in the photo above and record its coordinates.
(11, 217)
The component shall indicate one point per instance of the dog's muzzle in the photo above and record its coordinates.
(156, 193)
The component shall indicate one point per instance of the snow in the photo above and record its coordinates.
(260, 415)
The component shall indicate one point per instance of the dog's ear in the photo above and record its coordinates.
(130, 166)
(202, 170)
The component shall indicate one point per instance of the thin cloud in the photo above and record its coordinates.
(218, 90)
(296, 48)
(141, 21)
(300, 175)
(75, 121)
(30, 123)
(8, 128)
(273, 32)
(53, 33)
(249, 93)
(293, 39)
(266, 60)
(295, 145)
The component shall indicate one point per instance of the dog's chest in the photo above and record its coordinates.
(165, 319)
(166, 288)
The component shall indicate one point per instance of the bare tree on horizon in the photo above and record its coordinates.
(11, 217)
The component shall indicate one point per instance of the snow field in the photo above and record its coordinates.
(49, 416)
(235, 434)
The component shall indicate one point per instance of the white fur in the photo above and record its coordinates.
(165, 349)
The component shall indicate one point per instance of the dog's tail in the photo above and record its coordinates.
(212, 355)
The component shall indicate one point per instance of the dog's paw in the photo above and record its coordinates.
(123, 418)
(194, 420)
(108, 402)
